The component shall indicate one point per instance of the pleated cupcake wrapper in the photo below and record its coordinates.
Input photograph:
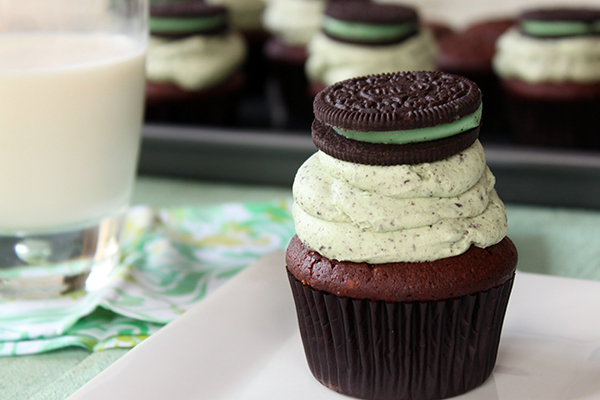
(400, 350)
(552, 123)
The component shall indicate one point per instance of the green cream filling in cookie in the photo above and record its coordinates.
(416, 135)
(185, 25)
(366, 32)
(559, 28)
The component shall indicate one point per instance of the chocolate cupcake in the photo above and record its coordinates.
(439, 29)
(401, 269)
(361, 37)
(245, 16)
(549, 68)
(469, 53)
(193, 65)
(292, 24)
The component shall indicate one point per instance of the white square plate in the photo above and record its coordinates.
(242, 342)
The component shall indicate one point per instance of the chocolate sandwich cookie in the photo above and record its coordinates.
(364, 22)
(180, 19)
(560, 22)
(398, 118)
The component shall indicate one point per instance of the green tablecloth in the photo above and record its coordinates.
(550, 241)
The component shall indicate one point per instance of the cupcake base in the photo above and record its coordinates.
(470, 54)
(255, 66)
(553, 115)
(287, 68)
(166, 102)
(314, 88)
(400, 350)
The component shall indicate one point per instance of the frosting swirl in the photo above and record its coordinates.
(331, 61)
(195, 62)
(412, 213)
(555, 60)
(294, 21)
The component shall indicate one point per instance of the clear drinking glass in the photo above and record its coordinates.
(71, 109)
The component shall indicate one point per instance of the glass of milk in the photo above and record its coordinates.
(71, 109)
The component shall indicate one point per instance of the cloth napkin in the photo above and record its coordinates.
(171, 259)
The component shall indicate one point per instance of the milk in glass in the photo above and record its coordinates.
(70, 115)
(71, 107)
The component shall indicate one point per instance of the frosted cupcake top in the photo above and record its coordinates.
(356, 201)
(553, 46)
(361, 38)
(330, 61)
(191, 45)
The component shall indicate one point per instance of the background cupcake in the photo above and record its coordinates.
(360, 38)
(550, 71)
(193, 64)
(292, 24)
(469, 53)
(401, 268)
(245, 16)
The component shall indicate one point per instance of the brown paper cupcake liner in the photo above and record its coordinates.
(570, 124)
(401, 350)
(217, 105)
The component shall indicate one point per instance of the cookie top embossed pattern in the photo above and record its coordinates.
(397, 101)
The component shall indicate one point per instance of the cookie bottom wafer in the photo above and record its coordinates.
(345, 149)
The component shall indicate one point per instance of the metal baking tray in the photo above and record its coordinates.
(272, 157)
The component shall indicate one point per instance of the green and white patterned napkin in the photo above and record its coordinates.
(172, 258)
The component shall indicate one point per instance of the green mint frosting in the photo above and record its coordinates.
(559, 28)
(416, 135)
(185, 25)
(367, 32)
